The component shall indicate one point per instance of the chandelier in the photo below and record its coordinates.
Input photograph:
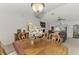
(38, 7)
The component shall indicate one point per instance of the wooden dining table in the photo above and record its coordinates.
(44, 47)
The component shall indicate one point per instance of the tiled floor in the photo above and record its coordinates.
(71, 43)
(73, 46)
(9, 49)
(13, 53)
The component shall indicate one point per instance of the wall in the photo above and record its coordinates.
(10, 21)
(70, 12)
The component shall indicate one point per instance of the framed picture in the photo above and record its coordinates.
(42, 24)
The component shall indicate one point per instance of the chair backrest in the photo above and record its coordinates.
(21, 35)
(20, 45)
(2, 51)
(55, 38)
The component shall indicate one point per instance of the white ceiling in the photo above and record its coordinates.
(66, 10)
(25, 8)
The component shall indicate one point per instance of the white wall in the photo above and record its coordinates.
(69, 11)
(9, 24)
(10, 21)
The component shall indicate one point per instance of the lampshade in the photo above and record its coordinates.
(57, 29)
(37, 7)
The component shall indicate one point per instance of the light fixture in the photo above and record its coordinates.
(38, 7)
(57, 29)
